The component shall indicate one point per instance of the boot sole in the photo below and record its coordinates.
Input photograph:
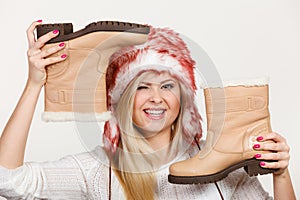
(66, 29)
(251, 166)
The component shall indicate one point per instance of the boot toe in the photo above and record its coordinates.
(175, 169)
(180, 169)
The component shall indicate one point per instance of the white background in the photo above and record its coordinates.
(244, 38)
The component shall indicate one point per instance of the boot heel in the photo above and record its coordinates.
(64, 29)
(253, 168)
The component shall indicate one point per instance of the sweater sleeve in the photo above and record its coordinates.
(62, 179)
(249, 188)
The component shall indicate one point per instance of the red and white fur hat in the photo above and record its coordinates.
(164, 51)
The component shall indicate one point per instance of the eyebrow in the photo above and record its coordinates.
(149, 83)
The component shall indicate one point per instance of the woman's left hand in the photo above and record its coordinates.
(278, 151)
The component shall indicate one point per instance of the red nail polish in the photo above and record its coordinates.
(260, 138)
(61, 44)
(262, 163)
(63, 56)
(39, 20)
(55, 31)
(256, 146)
(258, 155)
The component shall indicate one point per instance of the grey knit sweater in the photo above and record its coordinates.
(86, 176)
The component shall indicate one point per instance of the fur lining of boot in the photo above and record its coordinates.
(258, 81)
(71, 116)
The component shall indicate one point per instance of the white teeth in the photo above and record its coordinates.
(154, 112)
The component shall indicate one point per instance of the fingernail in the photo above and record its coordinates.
(256, 146)
(259, 138)
(258, 155)
(55, 31)
(39, 20)
(61, 44)
(63, 56)
(262, 163)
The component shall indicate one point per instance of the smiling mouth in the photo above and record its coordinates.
(155, 113)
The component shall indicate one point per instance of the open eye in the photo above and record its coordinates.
(168, 86)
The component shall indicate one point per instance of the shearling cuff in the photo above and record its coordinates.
(259, 81)
(71, 116)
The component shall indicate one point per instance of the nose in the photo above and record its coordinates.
(156, 96)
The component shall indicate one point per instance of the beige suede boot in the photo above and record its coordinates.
(236, 115)
(75, 89)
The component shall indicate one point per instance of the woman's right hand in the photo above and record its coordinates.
(14, 136)
(38, 58)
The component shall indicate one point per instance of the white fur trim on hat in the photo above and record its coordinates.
(146, 61)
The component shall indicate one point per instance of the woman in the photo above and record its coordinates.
(151, 92)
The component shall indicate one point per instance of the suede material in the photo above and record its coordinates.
(236, 116)
(78, 83)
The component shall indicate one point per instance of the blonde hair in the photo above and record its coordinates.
(135, 162)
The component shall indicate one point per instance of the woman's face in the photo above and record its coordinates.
(156, 104)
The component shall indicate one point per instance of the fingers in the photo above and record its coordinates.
(53, 60)
(30, 33)
(36, 54)
(45, 38)
(276, 147)
(273, 156)
(278, 143)
(281, 165)
(36, 44)
(41, 63)
(47, 52)
(275, 153)
(274, 136)
(40, 58)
